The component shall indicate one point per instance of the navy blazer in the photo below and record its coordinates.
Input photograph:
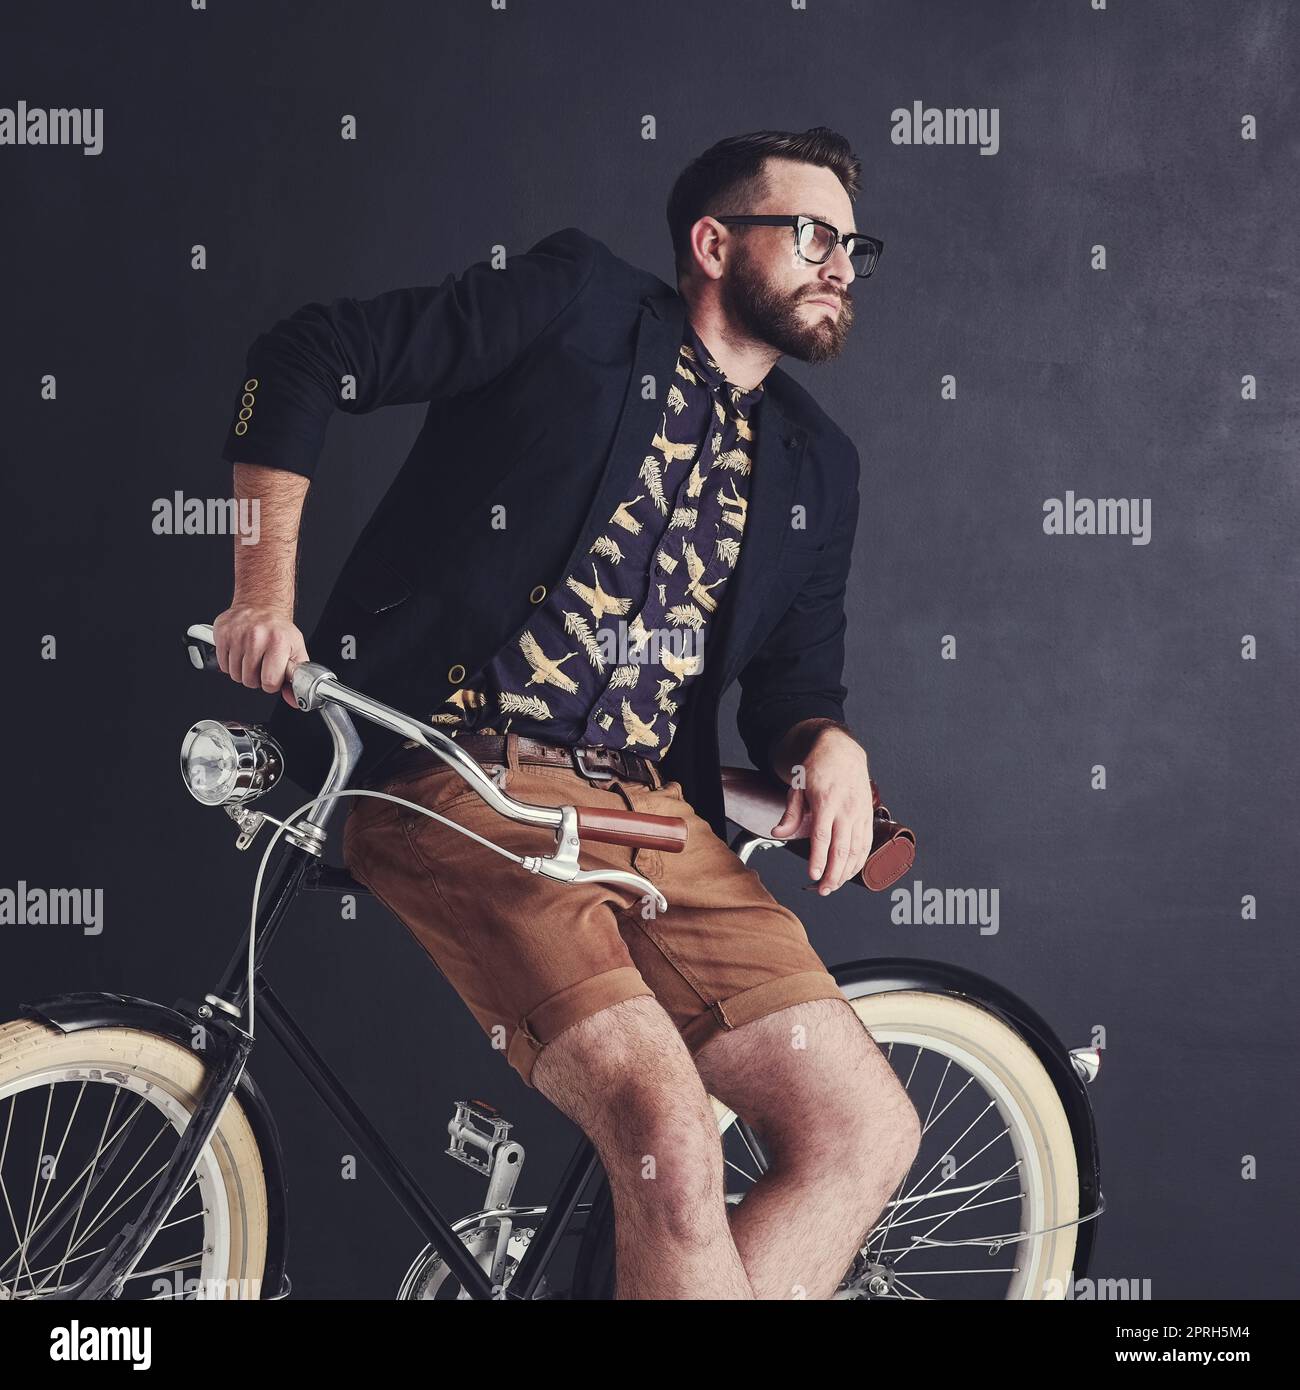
(544, 382)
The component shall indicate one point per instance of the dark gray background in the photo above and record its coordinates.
(1120, 909)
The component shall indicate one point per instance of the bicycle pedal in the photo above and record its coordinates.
(480, 1139)
(477, 1130)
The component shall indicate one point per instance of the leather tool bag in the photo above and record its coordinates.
(893, 847)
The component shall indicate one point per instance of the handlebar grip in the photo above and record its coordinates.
(638, 828)
(201, 647)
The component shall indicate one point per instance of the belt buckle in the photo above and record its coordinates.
(577, 751)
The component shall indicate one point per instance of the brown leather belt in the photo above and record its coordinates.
(596, 763)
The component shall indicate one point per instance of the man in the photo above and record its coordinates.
(582, 661)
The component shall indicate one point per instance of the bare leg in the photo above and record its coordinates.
(841, 1135)
(626, 1079)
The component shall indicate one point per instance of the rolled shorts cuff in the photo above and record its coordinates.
(751, 1004)
(569, 1006)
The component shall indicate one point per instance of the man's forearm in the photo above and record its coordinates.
(793, 746)
(265, 573)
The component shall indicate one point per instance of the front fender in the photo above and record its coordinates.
(73, 1012)
(889, 974)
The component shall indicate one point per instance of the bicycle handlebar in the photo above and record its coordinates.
(315, 686)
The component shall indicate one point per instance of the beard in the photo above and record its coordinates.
(777, 317)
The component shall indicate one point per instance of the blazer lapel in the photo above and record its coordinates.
(778, 454)
(658, 340)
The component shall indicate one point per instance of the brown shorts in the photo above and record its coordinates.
(531, 956)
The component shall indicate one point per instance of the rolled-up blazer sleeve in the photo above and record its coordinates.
(797, 673)
(402, 347)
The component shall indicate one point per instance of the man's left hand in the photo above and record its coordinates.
(833, 806)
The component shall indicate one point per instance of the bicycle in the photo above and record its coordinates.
(183, 1069)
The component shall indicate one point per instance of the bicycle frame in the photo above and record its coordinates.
(435, 1228)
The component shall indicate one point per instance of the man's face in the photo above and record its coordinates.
(772, 295)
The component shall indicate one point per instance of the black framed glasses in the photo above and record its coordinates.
(815, 241)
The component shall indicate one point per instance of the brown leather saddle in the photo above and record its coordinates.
(755, 801)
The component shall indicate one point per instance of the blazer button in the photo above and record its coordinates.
(538, 593)
(456, 674)
(251, 384)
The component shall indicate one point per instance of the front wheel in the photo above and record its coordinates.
(986, 1210)
(88, 1121)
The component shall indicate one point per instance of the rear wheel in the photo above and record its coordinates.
(88, 1121)
(984, 1212)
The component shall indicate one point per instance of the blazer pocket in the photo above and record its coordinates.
(371, 581)
(799, 556)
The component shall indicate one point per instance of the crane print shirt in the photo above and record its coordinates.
(610, 650)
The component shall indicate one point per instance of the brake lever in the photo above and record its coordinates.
(563, 864)
(550, 867)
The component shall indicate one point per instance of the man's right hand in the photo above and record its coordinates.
(259, 646)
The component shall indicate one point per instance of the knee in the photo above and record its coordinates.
(663, 1151)
(886, 1133)
(662, 1129)
(907, 1129)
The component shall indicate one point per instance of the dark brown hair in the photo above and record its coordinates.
(729, 177)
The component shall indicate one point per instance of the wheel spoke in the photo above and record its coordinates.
(96, 1170)
(36, 1173)
(88, 1168)
(184, 1262)
(952, 1148)
(917, 1241)
(45, 1191)
(753, 1146)
(148, 1182)
(46, 1218)
(99, 1249)
(915, 1220)
(96, 1223)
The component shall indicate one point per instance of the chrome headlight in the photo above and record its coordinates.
(224, 762)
